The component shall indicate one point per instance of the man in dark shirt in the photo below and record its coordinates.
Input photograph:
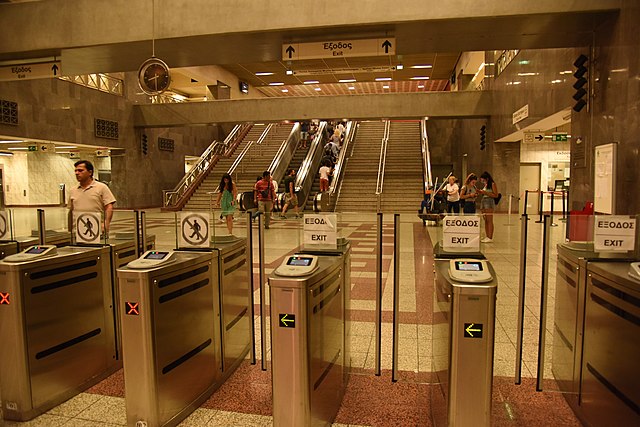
(290, 196)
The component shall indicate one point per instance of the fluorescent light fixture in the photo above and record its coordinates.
(528, 74)
(566, 72)
(420, 78)
(346, 81)
(13, 141)
(385, 87)
(4, 153)
(18, 148)
(289, 72)
(317, 89)
(352, 88)
(69, 147)
(285, 90)
(311, 82)
(556, 81)
(399, 67)
(420, 86)
(516, 83)
(422, 66)
(276, 84)
(383, 79)
(524, 62)
(264, 73)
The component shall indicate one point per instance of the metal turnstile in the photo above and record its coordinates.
(309, 339)
(463, 346)
(56, 328)
(185, 329)
(8, 248)
(574, 260)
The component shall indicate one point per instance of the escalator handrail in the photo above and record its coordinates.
(342, 157)
(246, 149)
(280, 162)
(305, 168)
(426, 156)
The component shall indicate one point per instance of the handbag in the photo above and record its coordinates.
(497, 198)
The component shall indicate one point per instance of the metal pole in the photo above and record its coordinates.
(564, 208)
(542, 332)
(540, 203)
(378, 321)
(396, 295)
(553, 196)
(521, 295)
(526, 201)
(509, 211)
(42, 230)
(137, 235)
(252, 314)
(263, 304)
(143, 231)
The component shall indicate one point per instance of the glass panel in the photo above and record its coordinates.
(162, 227)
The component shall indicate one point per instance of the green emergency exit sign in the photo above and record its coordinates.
(33, 148)
(559, 137)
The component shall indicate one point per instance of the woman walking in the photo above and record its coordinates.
(488, 204)
(468, 194)
(227, 194)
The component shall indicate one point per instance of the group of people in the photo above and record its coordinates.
(465, 197)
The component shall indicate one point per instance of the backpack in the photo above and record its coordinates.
(328, 151)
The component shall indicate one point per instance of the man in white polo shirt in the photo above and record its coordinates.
(90, 195)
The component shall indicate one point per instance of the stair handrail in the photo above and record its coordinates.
(383, 157)
(246, 149)
(204, 164)
(342, 157)
(426, 156)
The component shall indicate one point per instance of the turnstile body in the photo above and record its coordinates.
(308, 337)
(185, 329)
(574, 260)
(56, 329)
(463, 349)
(8, 248)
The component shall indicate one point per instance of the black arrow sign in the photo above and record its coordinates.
(55, 69)
(290, 51)
(539, 137)
(386, 45)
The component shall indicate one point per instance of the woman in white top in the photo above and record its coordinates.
(453, 196)
(324, 171)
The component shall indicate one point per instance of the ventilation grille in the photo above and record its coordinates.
(8, 112)
(166, 144)
(106, 129)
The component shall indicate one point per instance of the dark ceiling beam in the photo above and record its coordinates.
(391, 106)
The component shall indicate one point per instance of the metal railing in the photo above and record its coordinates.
(349, 134)
(206, 161)
(246, 150)
(102, 82)
(426, 156)
(381, 164)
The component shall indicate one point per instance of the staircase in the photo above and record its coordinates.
(358, 189)
(403, 179)
(200, 198)
(259, 157)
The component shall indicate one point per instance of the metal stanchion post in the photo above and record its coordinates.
(396, 296)
(263, 304)
(553, 196)
(252, 313)
(564, 207)
(526, 201)
(42, 229)
(378, 322)
(540, 206)
(542, 332)
(521, 296)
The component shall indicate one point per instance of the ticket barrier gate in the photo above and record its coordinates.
(56, 326)
(185, 328)
(8, 248)
(465, 293)
(309, 336)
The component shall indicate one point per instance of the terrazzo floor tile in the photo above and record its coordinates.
(199, 418)
(75, 405)
(233, 419)
(108, 409)
(44, 420)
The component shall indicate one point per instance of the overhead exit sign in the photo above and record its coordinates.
(559, 137)
(339, 48)
(30, 71)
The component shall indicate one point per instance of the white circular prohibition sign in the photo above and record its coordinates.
(3, 226)
(90, 231)
(197, 232)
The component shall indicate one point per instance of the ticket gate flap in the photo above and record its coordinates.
(152, 259)
(469, 270)
(298, 265)
(32, 253)
(634, 270)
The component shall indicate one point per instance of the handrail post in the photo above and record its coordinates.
(378, 321)
(252, 314)
(542, 331)
(396, 296)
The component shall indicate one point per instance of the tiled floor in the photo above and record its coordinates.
(245, 400)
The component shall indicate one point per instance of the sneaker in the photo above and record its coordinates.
(283, 217)
(487, 240)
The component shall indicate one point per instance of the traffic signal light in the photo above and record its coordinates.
(144, 145)
(581, 96)
(483, 137)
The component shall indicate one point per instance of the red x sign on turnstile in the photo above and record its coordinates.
(4, 298)
(132, 308)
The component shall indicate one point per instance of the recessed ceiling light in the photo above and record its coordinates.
(346, 81)
(311, 82)
(289, 72)
(399, 67)
(420, 78)
(276, 84)
(383, 79)
(317, 89)
(420, 86)
(264, 73)
(422, 66)
(352, 88)
(385, 87)
(285, 90)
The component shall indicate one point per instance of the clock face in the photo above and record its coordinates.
(154, 77)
